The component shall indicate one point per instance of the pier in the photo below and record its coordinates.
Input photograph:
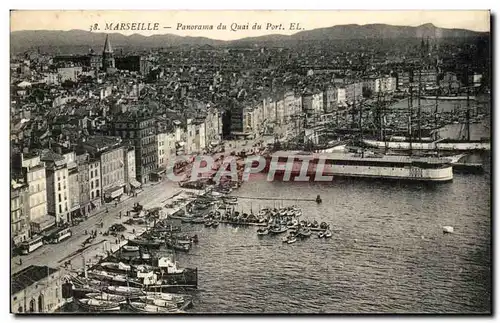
(275, 198)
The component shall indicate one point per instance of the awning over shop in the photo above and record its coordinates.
(43, 223)
(134, 183)
(114, 192)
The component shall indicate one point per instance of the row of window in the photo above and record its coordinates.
(38, 199)
(96, 184)
(16, 214)
(92, 195)
(16, 202)
(112, 178)
(65, 197)
(113, 155)
(33, 176)
(38, 212)
(59, 186)
(94, 173)
(65, 207)
(148, 140)
(111, 167)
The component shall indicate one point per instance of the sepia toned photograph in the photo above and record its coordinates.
(250, 162)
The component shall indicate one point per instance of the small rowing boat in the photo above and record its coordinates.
(95, 305)
(130, 248)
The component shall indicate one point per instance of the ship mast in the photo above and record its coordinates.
(467, 114)
(361, 128)
(410, 108)
(419, 132)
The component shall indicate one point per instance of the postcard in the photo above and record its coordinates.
(250, 162)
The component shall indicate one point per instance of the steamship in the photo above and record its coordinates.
(302, 166)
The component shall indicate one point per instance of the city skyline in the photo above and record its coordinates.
(478, 21)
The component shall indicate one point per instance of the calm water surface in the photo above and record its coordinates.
(388, 252)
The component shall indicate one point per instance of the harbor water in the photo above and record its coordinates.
(388, 253)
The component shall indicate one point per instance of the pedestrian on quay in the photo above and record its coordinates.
(20, 261)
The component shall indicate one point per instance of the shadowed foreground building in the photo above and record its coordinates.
(36, 289)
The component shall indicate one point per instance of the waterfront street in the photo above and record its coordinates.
(153, 195)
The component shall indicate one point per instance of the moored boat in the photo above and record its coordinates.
(130, 248)
(304, 233)
(149, 308)
(95, 305)
(124, 290)
(170, 303)
(262, 232)
(145, 243)
(198, 220)
(107, 297)
(278, 229)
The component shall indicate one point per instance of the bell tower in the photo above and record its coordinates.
(108, 60)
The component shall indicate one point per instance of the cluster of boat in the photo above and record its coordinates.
(296, 229)
(113, 284)
(163, 235)
(116, 298)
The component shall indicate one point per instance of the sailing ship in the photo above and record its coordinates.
(416, 142)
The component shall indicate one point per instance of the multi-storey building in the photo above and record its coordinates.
(161, 139)
(129, 159)
(83, 184)
(330, 99)
(213, 126)
(57, 186)
(74, 187)
(109, 151)
(307, 103)
(317, 103)
(95, 188)
(19, 213)
(33, 174)
(140, 129)
(341, 97)
(353, 91)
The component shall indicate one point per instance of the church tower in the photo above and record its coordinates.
(108, 61)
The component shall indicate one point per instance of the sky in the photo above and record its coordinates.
(168, 21)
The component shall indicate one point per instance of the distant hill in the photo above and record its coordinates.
(383, 31)
(22, 40)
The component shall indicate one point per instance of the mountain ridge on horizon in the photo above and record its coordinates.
(23, 39)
